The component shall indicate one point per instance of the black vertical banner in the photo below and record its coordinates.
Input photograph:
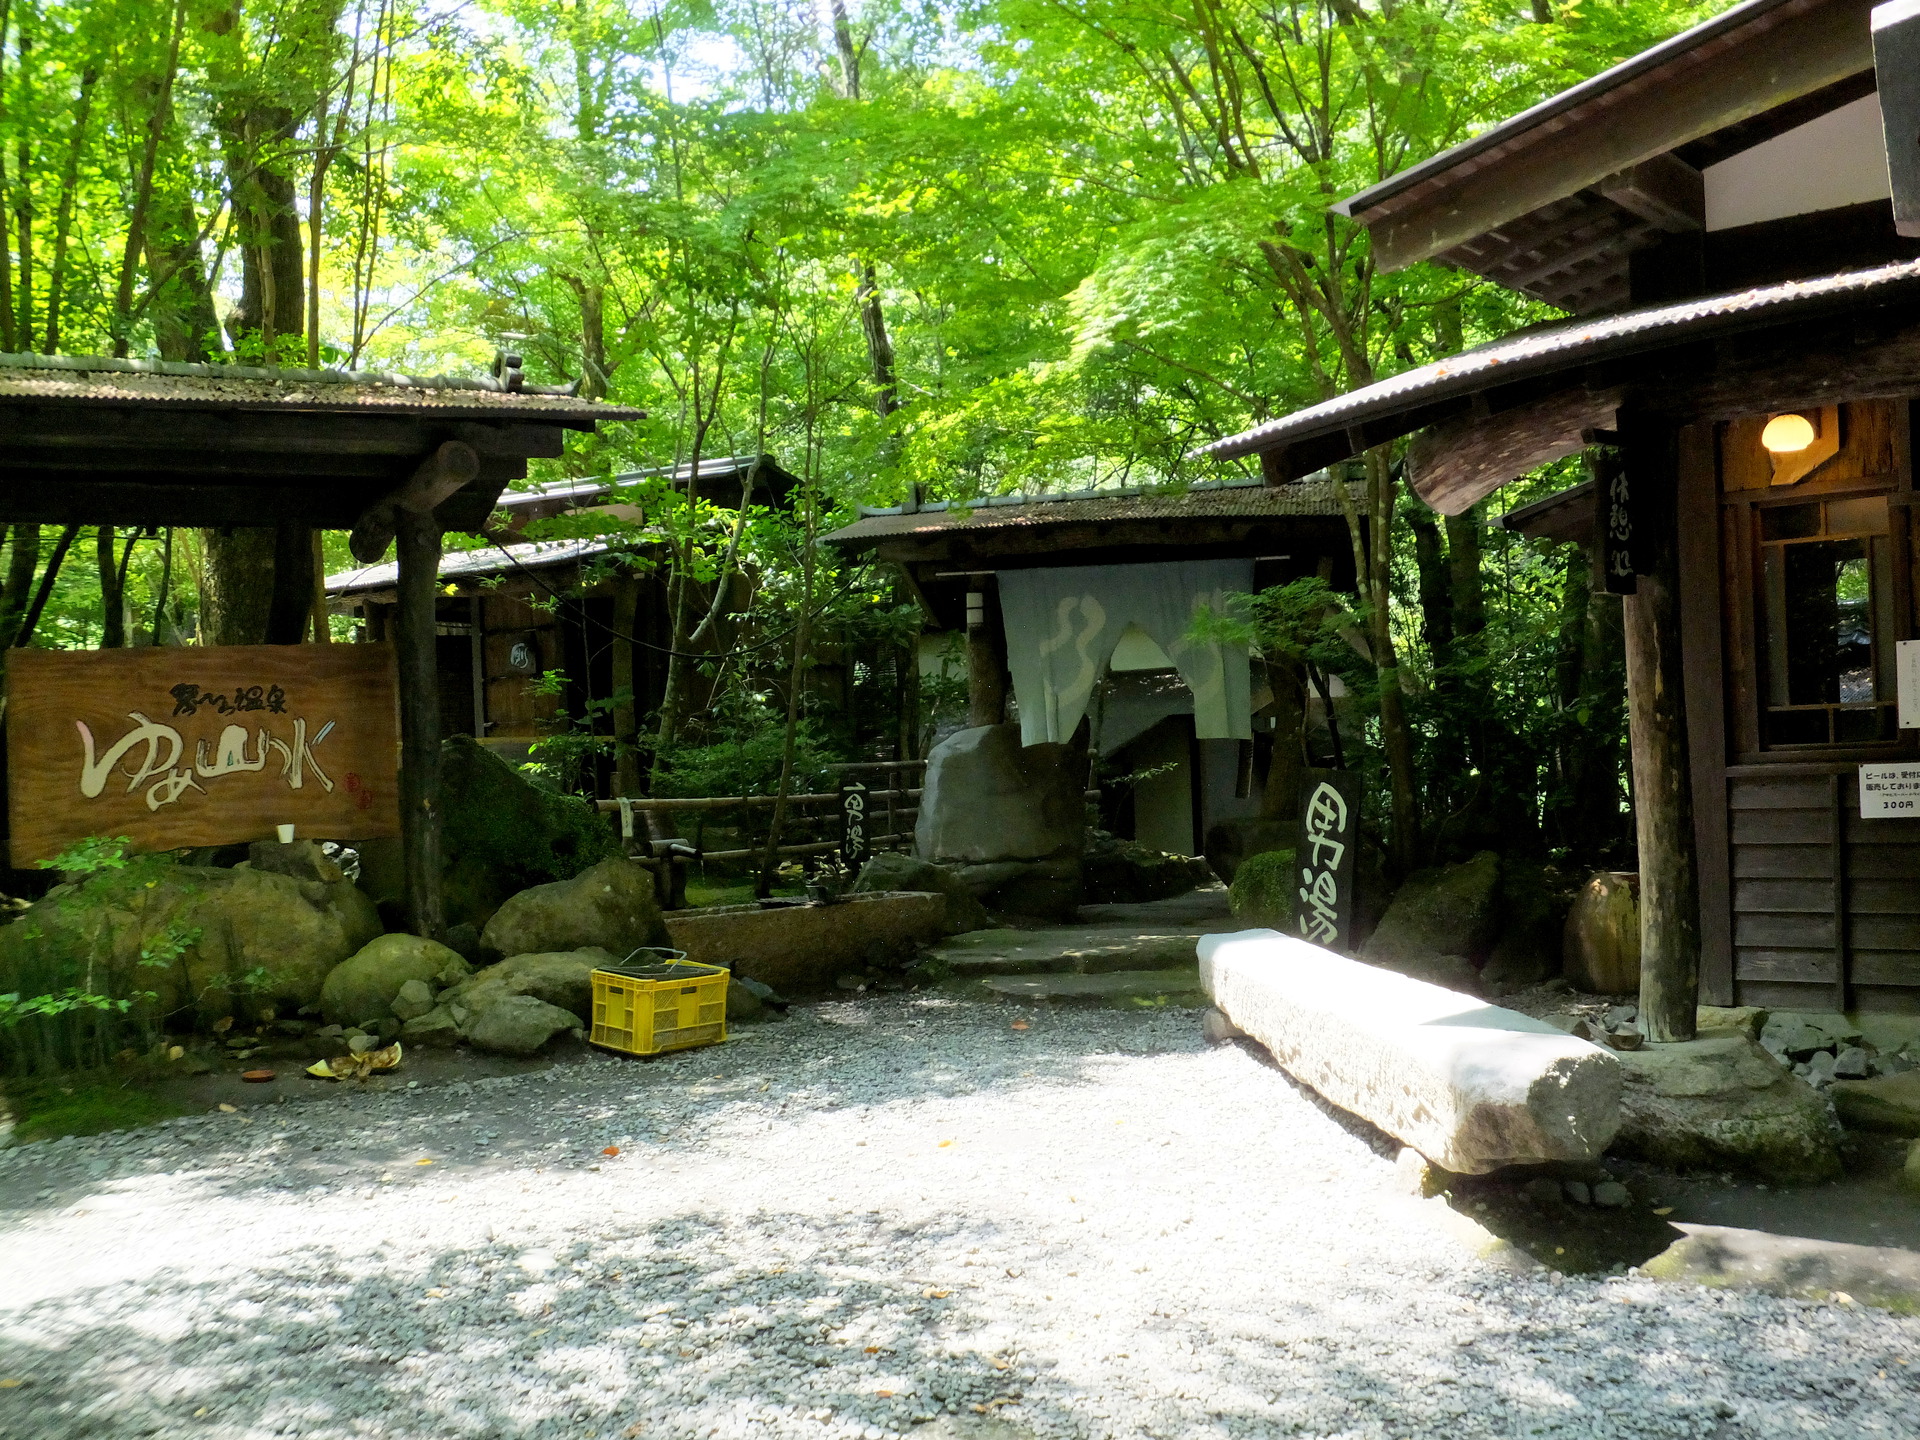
(1618, 527)
(855, 843)
(1324, 857)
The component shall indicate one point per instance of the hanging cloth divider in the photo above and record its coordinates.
(1062, 625)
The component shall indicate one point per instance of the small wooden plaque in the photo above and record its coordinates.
(200, 746)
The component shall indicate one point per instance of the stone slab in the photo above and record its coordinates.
(1078, 950)
(1117, 987)
(1890, 1103)
(803, 949)
(1471, 1086)
(1719, 1255)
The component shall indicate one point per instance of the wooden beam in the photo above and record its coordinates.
(1787, 54)
(433, 481)
(1454, 465)
(417, 537)
(1665, 191)
(1657, 729)
(1896, 62)
(34, 499)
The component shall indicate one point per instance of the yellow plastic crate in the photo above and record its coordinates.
(649, 1009)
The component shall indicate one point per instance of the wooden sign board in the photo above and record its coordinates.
(200, 746)
(1325, 855)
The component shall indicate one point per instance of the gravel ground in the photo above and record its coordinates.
(900, 1215)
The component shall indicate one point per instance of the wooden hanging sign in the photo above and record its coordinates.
(200, 746)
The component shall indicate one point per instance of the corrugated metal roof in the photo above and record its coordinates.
(472, 564)
(101, 380)
(1234, 499)
(1543, 352)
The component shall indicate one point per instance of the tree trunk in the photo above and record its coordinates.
(417, 549)
(1463, 567)
(272, 302)
(627, 771)
(143, 185)
(113, 600)
(1395, 736)
(1280, 797)
(236, 588)
(290, 610)
(1603, 688)
(1656, 710)
(63, 215)
(23, 212)
(180, 302)
(21, 564)
(1436, 589)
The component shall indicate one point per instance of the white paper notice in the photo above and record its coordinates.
(1889, 790)
(1906, 675)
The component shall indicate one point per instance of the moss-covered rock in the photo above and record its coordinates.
(363, 986)
(1534, 900)
(500, 833)
(893, 870)
(610, 905)
(1262, 890)
(1124, 872)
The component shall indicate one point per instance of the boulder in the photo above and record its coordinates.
(1231, 843)
(363, 986)
(298, 860)
(610, 905)
(1440, 922)
(436, 1028)
(1123, 872)
(500, 833)
(1534, 901)
(1746, 1019)
(1262, 891)
(561, 978)
(1723, 1103)
(519, 1025)
(987, 797)
(1799, 1035)
(1602, 943)
(415, 998)
(895, 871)
(247, 940)
(1470, 1086)
(1890, 1103)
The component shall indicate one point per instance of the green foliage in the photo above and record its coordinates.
(1262, 892)
(85, 1103)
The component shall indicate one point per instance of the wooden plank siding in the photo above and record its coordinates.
(1818, 908)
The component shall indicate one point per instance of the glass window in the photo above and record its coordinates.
(1828, 622)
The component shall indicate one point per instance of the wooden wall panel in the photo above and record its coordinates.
(1783, 862)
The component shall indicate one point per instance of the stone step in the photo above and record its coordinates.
(1074, 950)
(1119, 988)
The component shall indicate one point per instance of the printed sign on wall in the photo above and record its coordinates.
(200, 746)
(1324, 856)
(1889, 791)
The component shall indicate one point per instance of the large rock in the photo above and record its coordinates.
(561, 978)
(1470, 1086)
(253, 940)
(1799, 1035)
(1123, 872)
(897, 871)
(1890, 1103)
(1441, 921)
(611, 905)
(1722, 1103)
(1263, 889)
(1230, 843)
(363, 986)
(987, 797)
(1602, 945)
(804, 949)
(519, 1025)
(500, 833)
(297, 859)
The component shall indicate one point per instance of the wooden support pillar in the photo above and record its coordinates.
(1657, 730)
(986, 660)
(417, 548)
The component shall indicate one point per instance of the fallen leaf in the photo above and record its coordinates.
(1020, 1025)
(174, 1052)
(980, 1409)
(436, 1294)
(1841, 1297)
(632, 1430)
(935, 1294)
(1663, 1209)
(223, 1024)
(226, 1109)
(611, 1150)
(256, 1077)
(944, 1144)
(872, 1350)
(884, 1394)
(535, 1335)
(204, 1409)
(11, 1384)
(1003, 1365)
(423, 1162)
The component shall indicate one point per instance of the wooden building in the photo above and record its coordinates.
(1719, 216)
(956, 559)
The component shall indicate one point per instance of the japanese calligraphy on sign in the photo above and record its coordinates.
(855, 842)
(1324, 856)
(205, 746)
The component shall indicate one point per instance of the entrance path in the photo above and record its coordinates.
(894, 1215)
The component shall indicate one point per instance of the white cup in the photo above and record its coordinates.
(286, 834)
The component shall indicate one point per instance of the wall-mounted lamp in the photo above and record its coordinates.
(1788, 434)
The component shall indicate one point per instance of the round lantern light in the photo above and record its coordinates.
(1788, 434)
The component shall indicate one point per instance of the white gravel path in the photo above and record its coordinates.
(892, 1216)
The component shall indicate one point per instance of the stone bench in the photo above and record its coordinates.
(1469, 1085)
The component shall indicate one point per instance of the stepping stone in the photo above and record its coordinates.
(1079, 950)
(1120, 988)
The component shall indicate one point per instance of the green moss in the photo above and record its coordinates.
(501, 834)
(1262, 890)
(83, 1105)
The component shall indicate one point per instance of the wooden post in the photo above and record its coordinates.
(1657, 730)
(986, 661)
(417, 548)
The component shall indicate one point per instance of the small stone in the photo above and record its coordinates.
(1611, 1195)
(1820, 1069)
(414, 999)
(1217, 1029)
(1619, 1017)
(1577, 1191)
(851, 982)
(360, 1044)
(1851, 1063)
(1626, 1038)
